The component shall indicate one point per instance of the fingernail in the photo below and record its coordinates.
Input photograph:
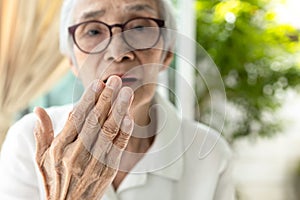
(125, 94)
(112, 82)
(97, 86)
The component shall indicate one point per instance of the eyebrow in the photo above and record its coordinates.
(92, 14)
(141, 7)
(100, 13)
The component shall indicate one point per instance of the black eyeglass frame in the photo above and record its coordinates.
(72, 29)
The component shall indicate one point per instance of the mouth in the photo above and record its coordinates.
(126, 81)
(129, 80)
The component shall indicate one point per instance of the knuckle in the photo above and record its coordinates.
(110, 172)
(67, 165)
(127, 125)
(92, 121)
(124, 135)
(72, 167)
(75, 158)
(97, 112)
(94, 168)
(76, 116)
(110, 130)
(80, 111)
(121, 109)
(89, 97)
(106, 95)
(112, 162)
(122, 140)
(101, 108)
(53, 150)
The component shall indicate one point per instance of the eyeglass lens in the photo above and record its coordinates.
(139, 34)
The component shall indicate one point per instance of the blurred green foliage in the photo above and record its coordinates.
(256, 56)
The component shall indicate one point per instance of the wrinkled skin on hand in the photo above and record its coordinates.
(82, 161)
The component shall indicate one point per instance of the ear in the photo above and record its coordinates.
(73, 67)
(167, 60)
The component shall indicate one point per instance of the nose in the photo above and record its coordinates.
(118, 50)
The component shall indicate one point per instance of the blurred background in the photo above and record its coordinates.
(255, 45)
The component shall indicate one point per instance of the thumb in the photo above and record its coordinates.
(43, 132)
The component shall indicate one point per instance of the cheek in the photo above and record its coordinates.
(143, 95)
(80, 57)
(86, 67)
(152, 65)
(150, 56)
(150, 79)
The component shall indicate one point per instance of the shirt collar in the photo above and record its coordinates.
(164, 157)
(167, 146)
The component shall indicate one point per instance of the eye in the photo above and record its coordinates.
(139, 28)
(93, 32)
(92, 29)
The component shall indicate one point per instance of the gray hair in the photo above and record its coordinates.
(165, 11)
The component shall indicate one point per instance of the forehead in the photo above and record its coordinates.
(113, 8)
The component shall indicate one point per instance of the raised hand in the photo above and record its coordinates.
(82, 160)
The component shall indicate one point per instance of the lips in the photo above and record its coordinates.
(119, 75)
(126, 80)
(129, 79)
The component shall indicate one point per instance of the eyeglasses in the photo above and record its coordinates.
(140, 33)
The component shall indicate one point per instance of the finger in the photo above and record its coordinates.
(125, 132)
(76, 118)
(43, 132)
(99, 113)
(85, 104)
(113, 158)
(111, 126)
(111, 161)
(73, 124)
(107, 98)
(45, 126)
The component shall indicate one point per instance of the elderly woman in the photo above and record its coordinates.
(121, 140)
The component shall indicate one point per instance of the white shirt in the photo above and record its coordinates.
(187, 161)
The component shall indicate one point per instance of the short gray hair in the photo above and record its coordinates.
(165, 11)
